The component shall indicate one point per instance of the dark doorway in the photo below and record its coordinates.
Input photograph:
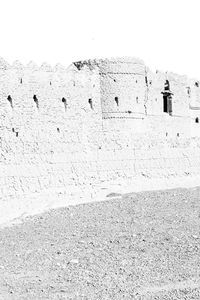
(167, 104)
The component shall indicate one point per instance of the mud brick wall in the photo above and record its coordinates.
(65, 133)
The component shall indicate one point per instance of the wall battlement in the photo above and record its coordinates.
(66, 133)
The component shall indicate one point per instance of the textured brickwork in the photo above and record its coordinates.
(68, 133)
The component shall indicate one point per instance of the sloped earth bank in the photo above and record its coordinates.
(133, 246)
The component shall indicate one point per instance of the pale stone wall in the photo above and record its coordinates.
(64, 134)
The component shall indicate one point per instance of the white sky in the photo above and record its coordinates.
(165, 34)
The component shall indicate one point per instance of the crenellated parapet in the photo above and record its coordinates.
(67, 134)
(114, 89)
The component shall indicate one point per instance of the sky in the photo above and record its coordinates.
(165, 34)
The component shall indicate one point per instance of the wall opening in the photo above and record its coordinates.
(117, 101)
(58, 129)
(36, 101)
(9, 98)
(90, 102)
(17, 133)
(167, 86)
(167, 98)
(178, 134)
(21, 81)
(13, 129)
(64, 101)
(189, 91)
(197, 84)
(146, 81)
(196, 120)
(167, 104)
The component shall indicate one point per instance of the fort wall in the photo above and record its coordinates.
(66, 135)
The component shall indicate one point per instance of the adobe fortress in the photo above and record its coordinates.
(69, 133)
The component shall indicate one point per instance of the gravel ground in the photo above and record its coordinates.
(134, 246)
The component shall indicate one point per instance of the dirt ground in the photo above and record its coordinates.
(134, 246)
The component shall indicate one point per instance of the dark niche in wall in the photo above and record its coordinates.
(90, 102)
(9, 98)
(188, 91)
(117, 101)
(36, 101)
(167, 104)
(196, 120)
(167, 86)
(196, 84)
(167, 98)
(21, 81)
(64, 101)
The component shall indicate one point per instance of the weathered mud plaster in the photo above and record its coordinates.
(75, 134)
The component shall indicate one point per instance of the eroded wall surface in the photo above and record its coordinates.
(70, 133)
